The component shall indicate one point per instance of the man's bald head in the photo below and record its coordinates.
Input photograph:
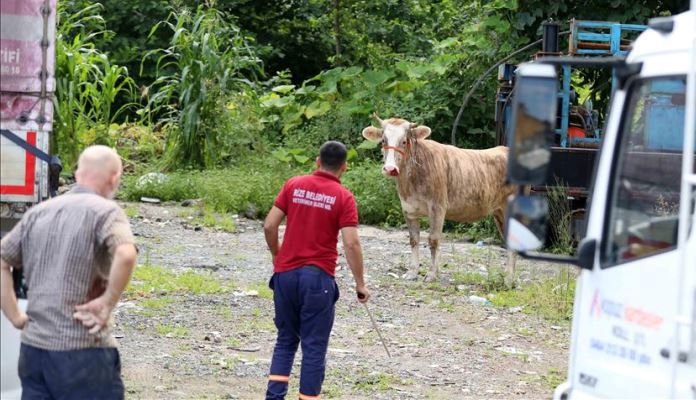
(99, 168)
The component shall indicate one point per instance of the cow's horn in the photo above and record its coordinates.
(377, 119)
(411, 127)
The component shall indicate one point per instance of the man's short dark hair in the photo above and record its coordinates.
(332, 155)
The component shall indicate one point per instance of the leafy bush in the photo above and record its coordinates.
(378, 202)
(137, 145)
(337, 103)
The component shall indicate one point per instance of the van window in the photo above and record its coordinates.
(643, 212)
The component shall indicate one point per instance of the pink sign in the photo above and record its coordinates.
(21, 55)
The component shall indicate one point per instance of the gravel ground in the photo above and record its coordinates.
(179, 345)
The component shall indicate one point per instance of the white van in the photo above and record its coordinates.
(634, 316)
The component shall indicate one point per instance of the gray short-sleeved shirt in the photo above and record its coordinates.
(65, 246)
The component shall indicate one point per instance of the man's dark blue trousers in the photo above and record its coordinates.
(93, 373)
(304, 301)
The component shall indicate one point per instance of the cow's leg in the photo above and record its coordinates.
(437, 220)
(499, 218)
(414, 239)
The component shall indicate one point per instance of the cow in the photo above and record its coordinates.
(441, 182)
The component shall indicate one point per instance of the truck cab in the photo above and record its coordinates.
(634, 316)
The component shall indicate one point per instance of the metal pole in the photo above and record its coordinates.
(374, 325)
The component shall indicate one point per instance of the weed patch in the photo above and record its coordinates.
(551, 299)
(152, 279)
(492, 281)
(174, 331)
(252, 184)
(157, 303)
(222, 222)
(376, 382)
(131, 212)
(264, 291)
(553, 378)
(560, 213)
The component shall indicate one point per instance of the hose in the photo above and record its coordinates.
(482, 77)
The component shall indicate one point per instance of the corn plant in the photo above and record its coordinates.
(91, 93)
(208, 59)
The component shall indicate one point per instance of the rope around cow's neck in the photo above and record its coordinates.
(409, 154)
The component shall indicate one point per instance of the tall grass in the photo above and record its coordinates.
(208, 60)
(252, 183)
(91, 92)
(560, 216)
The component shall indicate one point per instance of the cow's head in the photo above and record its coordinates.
(398, 137)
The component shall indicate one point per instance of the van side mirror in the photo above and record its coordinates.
(526, 223)
(526, 227)
(533, 124)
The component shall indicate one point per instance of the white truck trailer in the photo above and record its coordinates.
(28, 173)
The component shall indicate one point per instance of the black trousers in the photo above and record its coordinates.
(93, 373)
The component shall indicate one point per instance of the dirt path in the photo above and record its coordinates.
(215, 340)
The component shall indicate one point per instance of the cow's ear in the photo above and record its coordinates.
(373, 134)
(420, 132)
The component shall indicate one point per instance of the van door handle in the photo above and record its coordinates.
(682, 356)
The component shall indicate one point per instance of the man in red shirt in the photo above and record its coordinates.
(304, 290)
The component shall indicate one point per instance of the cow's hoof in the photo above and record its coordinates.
(411, 275)
(431, 277)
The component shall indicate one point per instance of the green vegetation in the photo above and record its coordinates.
(553, 378)
(376, 381)
(131, 212)
(174, 331)
(551, 298)
(560, 212)
(158, 303)
(91, 92)
(232, 98)
(233, 341)
(264, 291)
(253, 182)
(494, 280)
(210, 220)
(205, 63)
(158, 280)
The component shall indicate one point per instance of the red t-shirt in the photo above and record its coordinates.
(317, 208)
